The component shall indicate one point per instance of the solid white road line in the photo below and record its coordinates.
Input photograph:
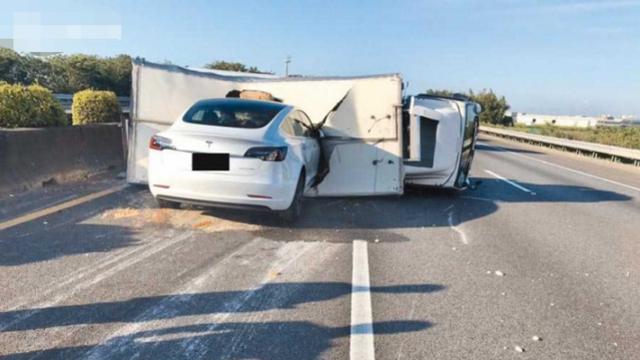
(568, 169)
(512, 183)
(53, 209)
(361, 341)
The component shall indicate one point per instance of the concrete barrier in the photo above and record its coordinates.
(31, 158)
(615, 153)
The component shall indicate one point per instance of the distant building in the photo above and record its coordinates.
(557, 120)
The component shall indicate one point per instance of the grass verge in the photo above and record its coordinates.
(628, 137)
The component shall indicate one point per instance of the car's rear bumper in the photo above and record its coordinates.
(230, 193)
(271, 186)
(216, 204)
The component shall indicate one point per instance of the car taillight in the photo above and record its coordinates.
(160, 143)
(267, 153)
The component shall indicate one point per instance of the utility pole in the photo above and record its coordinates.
(286, 66)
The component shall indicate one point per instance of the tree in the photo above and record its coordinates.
(439, 92)
(233, 66)
(68, 73)
(80, 72)
(118, 72)
(23, 70)
(493, 107)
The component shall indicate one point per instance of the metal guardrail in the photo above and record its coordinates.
(66, 100)
(615, 153)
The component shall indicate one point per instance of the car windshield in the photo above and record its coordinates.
(233, 113)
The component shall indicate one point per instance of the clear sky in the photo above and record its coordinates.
(562, 57)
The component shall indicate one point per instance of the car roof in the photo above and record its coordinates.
(250, 103)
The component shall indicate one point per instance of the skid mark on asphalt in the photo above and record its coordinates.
(100, 276)
(117, 341)
(287, 256)
(104, 262)
(410, 317)
(361, 345)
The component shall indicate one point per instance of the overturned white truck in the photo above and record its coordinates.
(374, 142)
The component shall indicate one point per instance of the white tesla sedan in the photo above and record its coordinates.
(236, 153)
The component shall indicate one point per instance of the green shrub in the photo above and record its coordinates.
(92, 107)
(29, 106)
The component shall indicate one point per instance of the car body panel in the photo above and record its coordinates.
(249, 181)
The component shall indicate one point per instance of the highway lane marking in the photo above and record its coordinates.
(568, 169)
(512, 183)
(54, 209)
(361, 339)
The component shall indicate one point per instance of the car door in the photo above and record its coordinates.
(311, 145)
(299, 143)
(471, 124)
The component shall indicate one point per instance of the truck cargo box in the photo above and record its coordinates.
(360, 117)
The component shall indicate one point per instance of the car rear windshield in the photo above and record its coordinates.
(233, 113)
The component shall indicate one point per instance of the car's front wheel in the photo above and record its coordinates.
(294, 210)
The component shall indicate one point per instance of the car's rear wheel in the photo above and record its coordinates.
(294, 210)
(166, 204)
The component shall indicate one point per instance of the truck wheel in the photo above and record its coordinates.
(293, 212)
(166, 204)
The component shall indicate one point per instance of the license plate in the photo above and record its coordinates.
(210, 162)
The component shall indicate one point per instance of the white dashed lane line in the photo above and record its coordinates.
(361, 340)
(512, 183)
(613, 182)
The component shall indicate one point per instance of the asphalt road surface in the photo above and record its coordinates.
(543, 257)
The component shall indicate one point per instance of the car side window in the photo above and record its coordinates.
(305, 119)
(287, 127)
(296, 124)
(291, 126)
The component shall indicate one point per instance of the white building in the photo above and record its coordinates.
(557, 120)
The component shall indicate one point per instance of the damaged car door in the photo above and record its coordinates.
(304, 142)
